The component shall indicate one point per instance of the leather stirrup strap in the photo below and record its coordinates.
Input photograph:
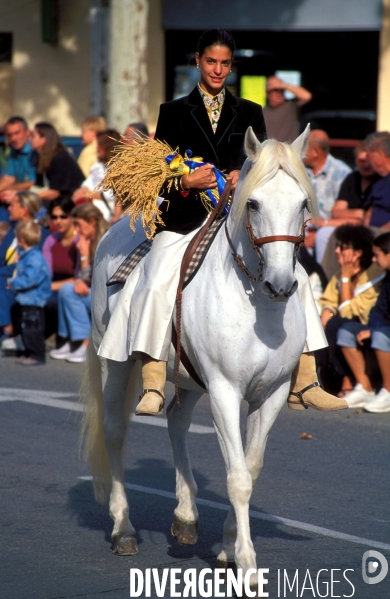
(145, 391)
(185, 262)
(299, 394)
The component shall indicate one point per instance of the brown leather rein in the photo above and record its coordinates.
(257, 242)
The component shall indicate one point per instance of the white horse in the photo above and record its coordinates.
(243, 338)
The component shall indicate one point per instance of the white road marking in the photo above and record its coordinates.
(319, 530)
(51, 399)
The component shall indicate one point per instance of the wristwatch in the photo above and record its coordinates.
(345, 280)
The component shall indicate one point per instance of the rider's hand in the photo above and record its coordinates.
(201, 178)
(233, 177)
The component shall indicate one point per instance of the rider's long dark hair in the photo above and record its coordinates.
(215, 37)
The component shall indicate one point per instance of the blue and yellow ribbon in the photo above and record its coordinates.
(187, 164)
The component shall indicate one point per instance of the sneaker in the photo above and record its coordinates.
(380, 403)
(79, 355)
(13, 344)
(62, 353)
(359, 397)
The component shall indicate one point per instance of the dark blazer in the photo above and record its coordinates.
(184, 124)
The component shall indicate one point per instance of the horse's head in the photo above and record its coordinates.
(272, 195)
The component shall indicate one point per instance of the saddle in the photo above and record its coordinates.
(129, 263)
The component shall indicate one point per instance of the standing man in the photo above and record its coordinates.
(281, 115)
(20, 171)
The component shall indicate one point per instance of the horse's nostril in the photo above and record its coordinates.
(271, 288)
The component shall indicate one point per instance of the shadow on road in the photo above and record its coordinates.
(153, 513)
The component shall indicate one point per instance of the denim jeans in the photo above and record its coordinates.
(74, 311)
(380, 337)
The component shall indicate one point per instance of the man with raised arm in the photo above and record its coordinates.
(280, 114)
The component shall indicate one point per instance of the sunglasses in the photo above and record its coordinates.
(61, 216)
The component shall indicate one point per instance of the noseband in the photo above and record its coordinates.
(257, 242)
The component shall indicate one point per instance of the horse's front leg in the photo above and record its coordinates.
(259, 422)
(225, 406)
(115, 382)
(185, 524)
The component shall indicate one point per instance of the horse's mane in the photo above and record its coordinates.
(274, 155)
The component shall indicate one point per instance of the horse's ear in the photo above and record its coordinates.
(301, 142)
(252, 145)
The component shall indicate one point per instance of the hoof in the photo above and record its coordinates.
(185, 533)
(124, 545)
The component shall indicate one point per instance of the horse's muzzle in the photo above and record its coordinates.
(279, 293)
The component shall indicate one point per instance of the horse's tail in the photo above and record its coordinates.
(92, 433)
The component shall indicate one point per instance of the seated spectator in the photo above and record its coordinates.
(281, 115)
(31, 284)
(354, 334)
(74, 299)
(20, 170)
(378, 202)
(326, 173)
(351, 293)
(107, 141)
(23, 207)
(349, 206)
(62, 256)
(133, 130)
(56, 167)
(90, 127)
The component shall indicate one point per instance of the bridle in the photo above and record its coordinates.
(257, 242)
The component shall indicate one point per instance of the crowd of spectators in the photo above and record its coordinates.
(50, 208)
(51, 219)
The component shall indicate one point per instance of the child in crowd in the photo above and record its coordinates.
(353, 334)
(90, 127)
(4, 228)
(32, 285)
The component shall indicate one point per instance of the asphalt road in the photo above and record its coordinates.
(55, 539)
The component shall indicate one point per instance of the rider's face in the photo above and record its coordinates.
(214, 65)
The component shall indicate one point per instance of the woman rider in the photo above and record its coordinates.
(211, 122)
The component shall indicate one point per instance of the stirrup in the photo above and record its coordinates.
(299, 394)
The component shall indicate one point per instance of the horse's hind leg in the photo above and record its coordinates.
(185, 524)
(115, 383)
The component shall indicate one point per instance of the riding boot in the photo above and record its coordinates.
(306, 390)
(152, 399)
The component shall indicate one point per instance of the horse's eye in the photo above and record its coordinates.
(305, 204)
(253, 205)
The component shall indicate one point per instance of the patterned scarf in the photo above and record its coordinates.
(213, 105)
